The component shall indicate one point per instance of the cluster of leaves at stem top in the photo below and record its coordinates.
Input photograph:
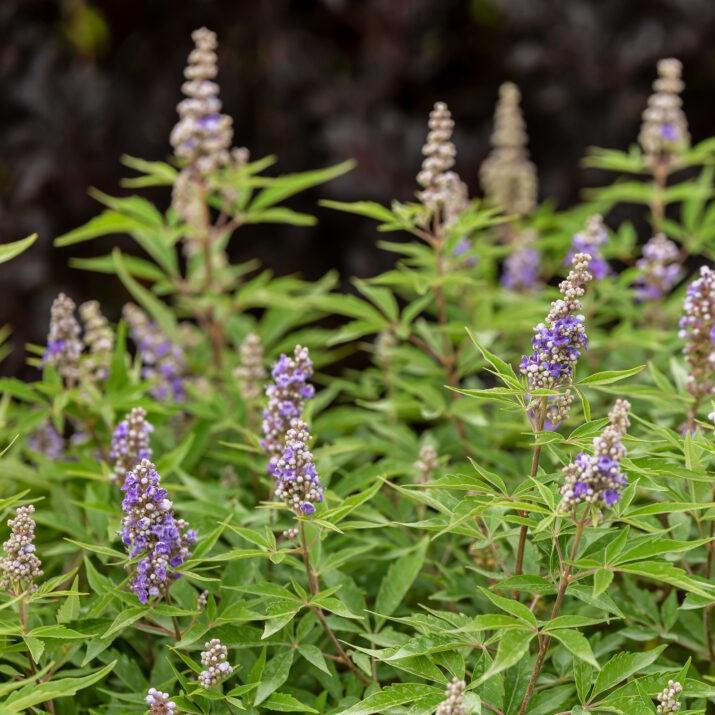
(503, 504)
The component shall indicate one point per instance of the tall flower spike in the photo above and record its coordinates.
(590, 241)
(597, 479)
(668, 698)
(442, 189)
(664, 131)
(507, 176)
(297, 481)
(64, 346)
(20, 566)
(203, 134)
(426, 463)
(159, 703)
(523, 265)
(163, 362)
(697, 329)
(99, 339)
(286, 397)
(215, 661)
(559, 340)
(453, 704)
(130, 443)
(660, 269)
(250, 373)
(150, 530)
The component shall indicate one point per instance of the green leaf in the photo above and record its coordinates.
(576, 643)
(108, 222)
(609, 376)
(314, 655)
(286, 703)
(369, 209)
(282, 187)
(8, 251)
(518, 610)
(62, 688)
(391, 697)
(149, 302)
(622, 666)
(69, 610)
(398, 580)
(513, 646)
(274, 675)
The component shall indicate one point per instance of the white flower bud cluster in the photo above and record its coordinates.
(441, 187)
(159, 703)
(20, 566)
(426, 463)
(664, 131)
(99, 340)
(251, 372)
(668, 698)
(454, 701)
(507, 176)
(214, 659)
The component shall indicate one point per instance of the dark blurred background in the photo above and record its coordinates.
(315, 82)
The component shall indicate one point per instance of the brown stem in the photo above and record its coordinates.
(544, 640)
(536, 456)
(314, 586)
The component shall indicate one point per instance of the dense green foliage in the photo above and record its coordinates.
(409, 573)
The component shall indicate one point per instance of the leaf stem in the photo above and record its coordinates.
(536, 456)
(544, 640)
(314, 586)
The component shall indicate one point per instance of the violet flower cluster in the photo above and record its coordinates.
(150, 530)
(559, 340)
(20, 566)
(668, 698)
(159, 703)
(522, 267)
(297, 481)
(590, 241)
(660, 269)
(48, 441)
(597, 478)
(130, 443)
(163, 362)
(64, 346)
(215, 661)
(286, 397)
(697, 329)
(453, 704)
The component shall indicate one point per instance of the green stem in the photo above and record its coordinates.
(314, 586)
(536, 456)
(544, 640)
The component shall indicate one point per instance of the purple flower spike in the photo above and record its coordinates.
(150, 530)
(297, 481)
(163, 362)
(697, 327)
(558, 342)
(598, 479)
(286, 397)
